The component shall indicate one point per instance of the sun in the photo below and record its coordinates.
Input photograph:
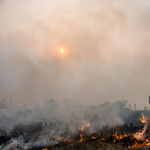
(61, 50)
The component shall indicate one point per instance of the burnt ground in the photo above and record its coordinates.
(118, 138)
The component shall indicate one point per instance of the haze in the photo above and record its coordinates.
(106, 51)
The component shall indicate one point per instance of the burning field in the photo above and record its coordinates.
(87, 127)
(65, 66)
(105, 139)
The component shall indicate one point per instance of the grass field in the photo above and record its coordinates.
(108, 126)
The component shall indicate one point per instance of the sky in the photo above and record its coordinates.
(106, 51)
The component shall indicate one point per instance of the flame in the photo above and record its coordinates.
(93, 137)
(116, 137)
(140, 135)
(87, 124)
(81, 138)
(144, 119)
(63, 139)
(60, 138)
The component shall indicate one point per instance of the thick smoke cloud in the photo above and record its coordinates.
(106, 51)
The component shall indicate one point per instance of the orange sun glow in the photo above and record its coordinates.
(62, 50)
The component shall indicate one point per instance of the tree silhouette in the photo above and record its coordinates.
(134, 106)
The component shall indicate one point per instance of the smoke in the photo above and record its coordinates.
(106, 51)
(46, 124)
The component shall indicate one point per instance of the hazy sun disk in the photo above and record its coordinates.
(62, 50)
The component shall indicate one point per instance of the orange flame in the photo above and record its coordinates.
(60, 138)
(116, 137)
(87, 124)
(140, 135)
(144, 119)
(81, 138)
(93, 137)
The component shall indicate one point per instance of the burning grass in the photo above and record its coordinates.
(73, 127)
(105, 139)
(119, 138)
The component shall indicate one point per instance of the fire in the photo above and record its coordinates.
(93, 137)
(116, 137)
(44, 149)
(81, 138)
(85, 124)
(60, 138)
(122, 140)
(140, 135)
(144, 119)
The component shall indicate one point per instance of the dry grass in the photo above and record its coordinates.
(104, 139)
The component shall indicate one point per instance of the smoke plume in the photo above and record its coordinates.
(106, 48)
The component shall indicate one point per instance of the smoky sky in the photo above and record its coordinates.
(106, 51)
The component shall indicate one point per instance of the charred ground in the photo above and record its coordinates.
(106, 126)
